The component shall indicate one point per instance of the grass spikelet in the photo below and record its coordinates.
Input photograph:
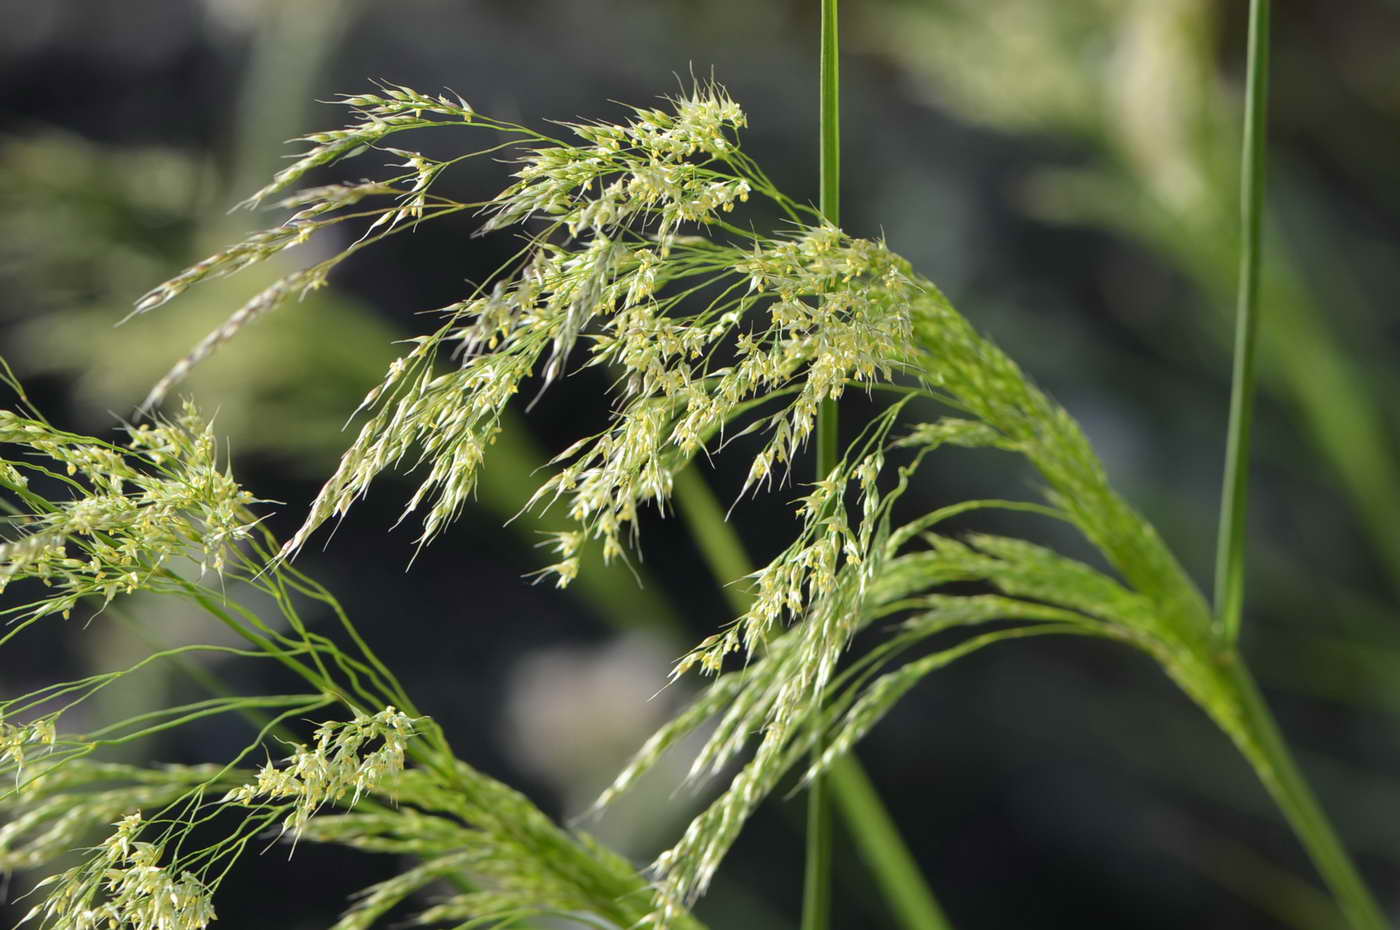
(267, 299)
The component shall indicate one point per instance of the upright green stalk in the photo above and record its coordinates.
(1290, 791)
(877, 840)
(816, 895)
(1276, 767)
(830, 202)
(1229, 562)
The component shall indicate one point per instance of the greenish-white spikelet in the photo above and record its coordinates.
(339, 763)
(392, 110)
(131, 509)
(255, 248)
(20, 742)
(269, 298)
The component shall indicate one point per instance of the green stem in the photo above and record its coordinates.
(1280, 775)
(1229, 564)
(1268, 752)
(878, 842)
(719, 545)
(830, 203)
(816, 880)
(816, 890)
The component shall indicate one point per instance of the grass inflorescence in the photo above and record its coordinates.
(631, 262)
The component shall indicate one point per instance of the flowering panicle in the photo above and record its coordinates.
(125, 885)
(148, 873)
(836, 580)
(339, 763)
(131, 881)
(269, 298)
(133, 509)
(706, 331)
(378, 115)
(392, 110)
(633, 225)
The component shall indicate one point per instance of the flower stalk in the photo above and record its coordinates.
(816, 889)
(1229, 565)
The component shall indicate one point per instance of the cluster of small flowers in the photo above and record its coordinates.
(657, 167)
(617, 261)
(673, 397)
(503, 334)
(136, 508)
(393, 109)
(269, 298)
(135, 891)
(338, 764)
(255, 248)
(17, 742)
(840, 314)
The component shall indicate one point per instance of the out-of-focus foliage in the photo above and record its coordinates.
(81, 245)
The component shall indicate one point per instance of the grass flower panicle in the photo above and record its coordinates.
(338, 764)
(124, 885)
(707, 331)
(130, 512)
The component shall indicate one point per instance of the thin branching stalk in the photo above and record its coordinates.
(816, 892)
(1229, 564)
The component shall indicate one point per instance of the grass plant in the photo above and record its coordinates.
(640, 256)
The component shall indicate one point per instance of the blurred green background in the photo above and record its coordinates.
(1064, 169)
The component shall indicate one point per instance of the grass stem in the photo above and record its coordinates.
(877, 840)
(1295, 799)
(1277, 769)
(1229, 564)
(816, 893)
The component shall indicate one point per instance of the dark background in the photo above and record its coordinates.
(1063, 170)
